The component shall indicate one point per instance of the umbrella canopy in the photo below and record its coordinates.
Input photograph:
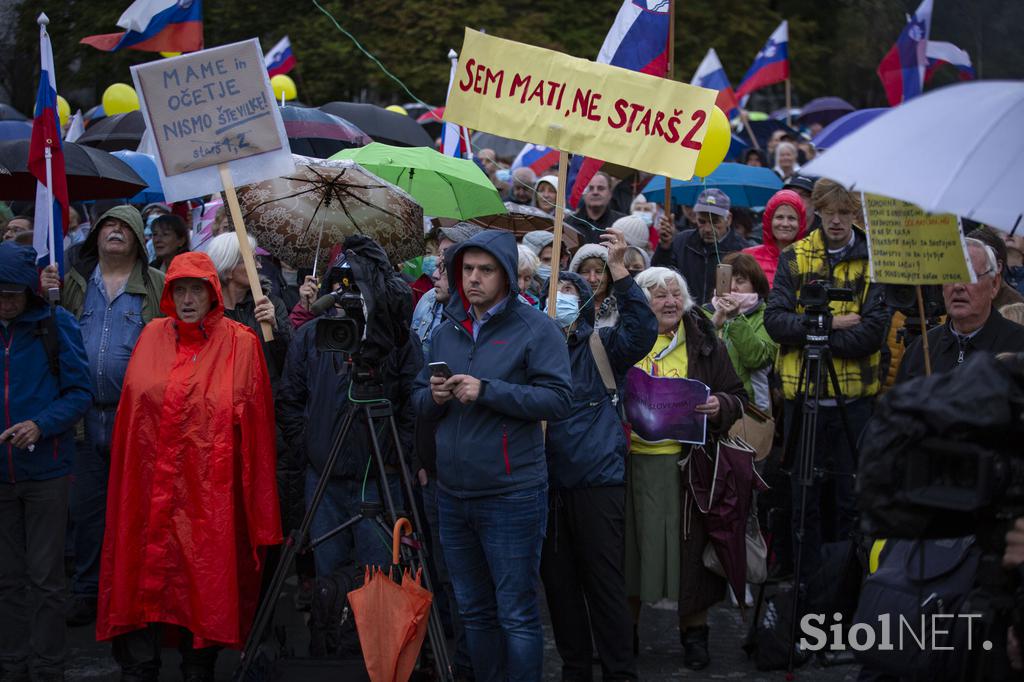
(317, 134)
(15, 130)
(9, 113)
(745, 185)
(115, 133)
(824, 110)
(843, 126)
(299, 218)
(91, 173)
(380, 124)
(145, 166)
(432, 121)
(521, 219)
(445, 186)
(503, 147)
(763, 129)
(958, 149)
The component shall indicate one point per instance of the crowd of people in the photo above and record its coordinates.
(153, 435)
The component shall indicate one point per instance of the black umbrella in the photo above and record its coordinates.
(115, 133)
(380, 124)
(320, 135)
(91, 173)
(503, 147)
(824, 110)
(9, 113)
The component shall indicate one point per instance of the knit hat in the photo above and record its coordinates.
(634, 229)
(784, 197)
(550, 179)
(587, 251)
(537, 240)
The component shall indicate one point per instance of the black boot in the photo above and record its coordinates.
(695, 648)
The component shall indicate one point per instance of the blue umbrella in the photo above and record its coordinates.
(145, 166)
(15, 130)
(841, 127)
(745, 185)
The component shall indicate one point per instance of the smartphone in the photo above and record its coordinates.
(723, 279)
(440, 369)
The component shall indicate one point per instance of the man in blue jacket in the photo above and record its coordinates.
(46, 391)
(510, 371)
(582, 563)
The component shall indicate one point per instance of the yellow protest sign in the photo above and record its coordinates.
(606, 112)
(909, 246)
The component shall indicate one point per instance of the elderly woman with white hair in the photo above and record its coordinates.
(662, 561)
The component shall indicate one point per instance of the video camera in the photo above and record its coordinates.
(343, 332)
(815, 297)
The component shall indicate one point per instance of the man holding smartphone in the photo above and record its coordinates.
(510, 371)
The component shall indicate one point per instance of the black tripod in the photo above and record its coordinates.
(373, 407)
(816, 365)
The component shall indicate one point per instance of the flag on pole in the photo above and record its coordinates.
(638, 41)
(280, 58)
(902, 68)
(51, 215)
(940, 53)
(536, 157)
(76, 126)
(155, 26)
(454, 138)
(771, 65)
(711, 74)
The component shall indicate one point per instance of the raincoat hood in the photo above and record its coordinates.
(784, 197)
(130, 215)
(193, 264)
(18, 266)
(498, 243)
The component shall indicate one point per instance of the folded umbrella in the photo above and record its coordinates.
(843, 126)
(317, 134)
(298, 218)
(445, 186)
(745, 185)
(380, 124)
(114, 133)
(145, 166)
(91, 173)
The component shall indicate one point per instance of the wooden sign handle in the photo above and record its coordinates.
(924, 332)
(243, 244)
(556, 245)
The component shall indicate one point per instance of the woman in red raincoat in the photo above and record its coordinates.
(192, 495)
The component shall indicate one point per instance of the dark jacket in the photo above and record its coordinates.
(495, 444)
(276, 351)
(31, 391)
(696, 260)
(997, 335)
(588, 448)
(582, 223)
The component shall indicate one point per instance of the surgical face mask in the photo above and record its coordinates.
(429, 265)
(567, 309)
(646, 216)
(543, 272)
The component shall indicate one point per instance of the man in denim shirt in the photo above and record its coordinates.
(113, 293)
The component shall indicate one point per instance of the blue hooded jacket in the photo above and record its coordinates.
(31, 391)
(495, 444)
(588, 448)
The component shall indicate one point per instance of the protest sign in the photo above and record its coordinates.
(664, 408)
(909, 246)
(549, 98)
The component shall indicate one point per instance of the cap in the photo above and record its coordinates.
(550, 179)
(713, 201)
(157, 204)
(12, 288)
(803, 182)
(634, 229)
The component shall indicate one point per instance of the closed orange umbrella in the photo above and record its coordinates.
(391, 617)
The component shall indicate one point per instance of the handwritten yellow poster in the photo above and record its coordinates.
(606, 112)
(909, 246)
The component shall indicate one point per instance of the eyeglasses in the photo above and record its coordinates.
(441, 267)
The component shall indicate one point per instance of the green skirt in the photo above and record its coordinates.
(652, 527)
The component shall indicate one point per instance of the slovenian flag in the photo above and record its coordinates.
(46, 138)
(536, 157)
(454, 138)
(939, 53)
(710, 74)
(771, 65)
(156, 26)
(638, 41)
(902, 68)
(280, 59)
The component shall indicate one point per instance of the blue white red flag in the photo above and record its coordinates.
(454, 138)
(940, 53)
(51, 214)
(638, 41)
(902, 68)
(771, 65)
(536, 157)
(155, 26)
(280, 58)
(710, 74)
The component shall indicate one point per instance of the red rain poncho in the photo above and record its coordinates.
(192, 494)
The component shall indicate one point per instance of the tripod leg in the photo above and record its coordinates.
(841, 402)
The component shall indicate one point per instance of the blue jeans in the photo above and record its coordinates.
(88, 512)
(492, 546)
(365, 542)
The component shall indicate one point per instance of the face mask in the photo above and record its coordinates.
(429, 265)
(567, 308)
(646, 216)
(503, 175)
(544, 272)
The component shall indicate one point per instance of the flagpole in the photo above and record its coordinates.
(670, 74)
(789, 105)
(453, 57)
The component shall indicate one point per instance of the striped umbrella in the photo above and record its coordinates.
(317, 134)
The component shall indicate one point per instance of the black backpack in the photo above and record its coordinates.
(332, 626)
(771, 635)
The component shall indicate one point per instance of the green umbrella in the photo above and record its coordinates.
(444, 186)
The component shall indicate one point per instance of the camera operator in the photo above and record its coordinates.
(836, 254)
(313, 401)
(974, 324)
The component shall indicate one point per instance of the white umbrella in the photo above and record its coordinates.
(959, 149)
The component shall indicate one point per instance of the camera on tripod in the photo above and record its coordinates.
(815, 297)
(343, 332)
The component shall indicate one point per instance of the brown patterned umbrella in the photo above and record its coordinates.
(522, 218)
(298, 218)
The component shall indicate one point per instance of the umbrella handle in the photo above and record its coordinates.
(396, 538)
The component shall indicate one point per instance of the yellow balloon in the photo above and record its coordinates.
(398, 109)
(715, 145)
(283, 84)
(170, 54)
(63, 110)
(120, 99)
